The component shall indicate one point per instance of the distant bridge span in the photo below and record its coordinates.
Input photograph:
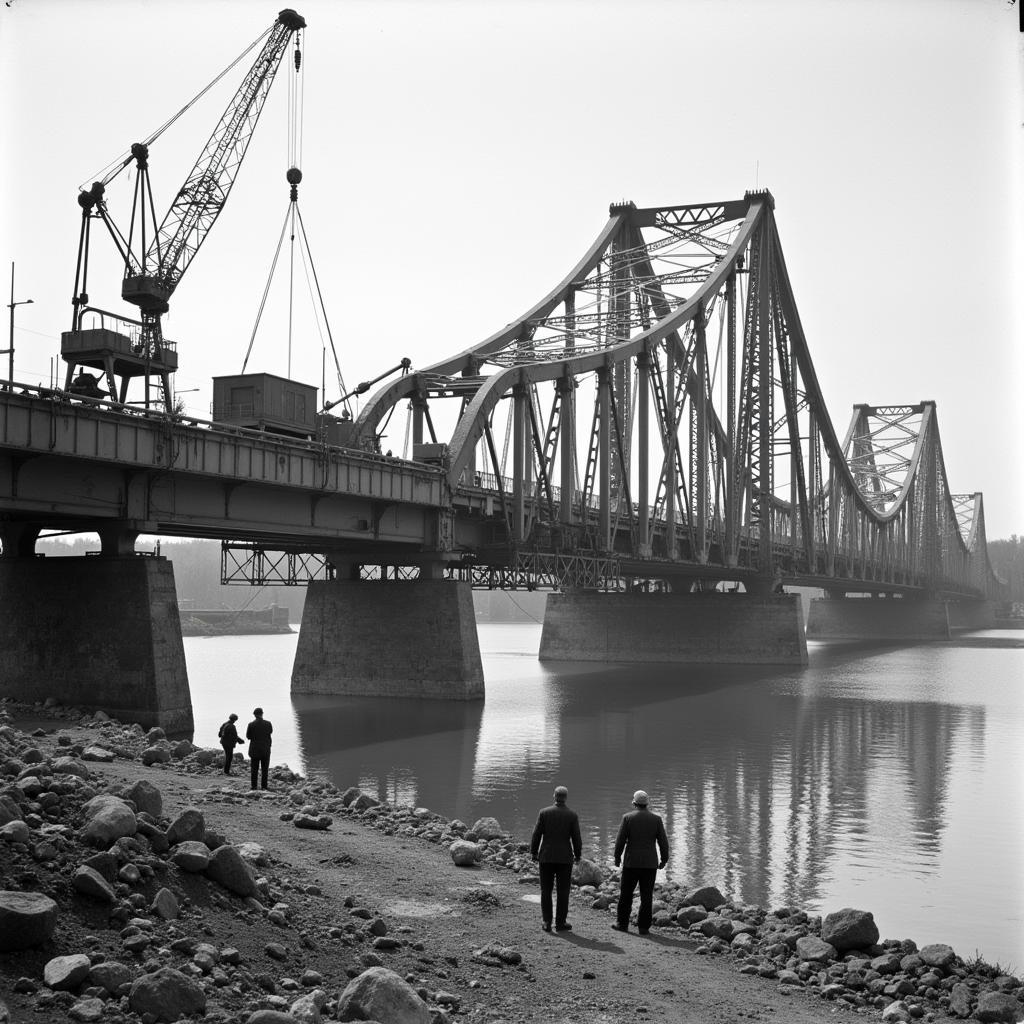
(654, 423)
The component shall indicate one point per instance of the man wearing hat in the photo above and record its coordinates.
(556, 845)
(639, 832)
(257, 732)
(229, 739)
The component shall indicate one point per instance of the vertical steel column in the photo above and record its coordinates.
(731, 498)
(764, 385)
(567, 444)
(643, 362)
(419, 404)
(701, 440)
(618, 315)
(670, 442)
(520, 397)
(813, 489)
(604, 527)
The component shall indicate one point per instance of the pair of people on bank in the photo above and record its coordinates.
(258, 733)
(641, 848)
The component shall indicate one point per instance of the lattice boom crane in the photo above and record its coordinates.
(156, 258)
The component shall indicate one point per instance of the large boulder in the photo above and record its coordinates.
(938, 954)
(64, 973)
(156, 755)
(165, 905)
(188, 826)
(146, 797)
(89, 882)
(487, 828)
(71, 766)
(317, 822)
(26, 919)
(15, 832)
(110, 975)
(253, 853)
(690, 915)
(998, 1007)
(167, 994)
(717, 927)
(810, 947)
(9, 810)
(108, 818)
(100, 754)
(307, 1008)
(587, 873)
(228, 867)
(707, 896)
(191, 856)
(961, 1000)
(850, 929)
(464, 854)
(90, 1010)
(380, 994)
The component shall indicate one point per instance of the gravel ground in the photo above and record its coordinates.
(336, 881)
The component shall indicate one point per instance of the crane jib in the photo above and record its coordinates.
(198, 203)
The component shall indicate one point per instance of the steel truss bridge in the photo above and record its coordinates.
(655, 421)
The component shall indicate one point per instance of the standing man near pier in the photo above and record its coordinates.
(640, 830)
(556, 844)
(258, 732)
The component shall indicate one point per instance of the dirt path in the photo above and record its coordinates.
(443, 914)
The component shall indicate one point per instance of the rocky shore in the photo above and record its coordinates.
(139, 884)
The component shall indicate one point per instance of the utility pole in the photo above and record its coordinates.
(10, 351)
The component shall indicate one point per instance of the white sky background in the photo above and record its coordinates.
(459, 158)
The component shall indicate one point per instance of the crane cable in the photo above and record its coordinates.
(107, 174)
(293, 217)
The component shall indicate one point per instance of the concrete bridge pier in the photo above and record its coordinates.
(99, 632)
(389, 638)
(838, 617)
(699, 628)
(971, 615)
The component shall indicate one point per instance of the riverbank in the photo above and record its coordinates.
(377, 888)
(240, 627)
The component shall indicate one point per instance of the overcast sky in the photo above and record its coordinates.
(458, 158)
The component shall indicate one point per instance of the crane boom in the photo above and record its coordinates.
(200, 200)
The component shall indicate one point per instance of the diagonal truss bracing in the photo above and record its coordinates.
(662, 408)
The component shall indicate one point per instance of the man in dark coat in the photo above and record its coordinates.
(229, 739)
(556, 845)
(258, 732)
(639, 832)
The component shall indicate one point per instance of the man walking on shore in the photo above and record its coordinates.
(258, 732)
(556, 844)
(639, 832)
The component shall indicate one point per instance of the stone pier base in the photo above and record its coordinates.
(674, 628)
(101, 633)
(971, 615)
(878, 618)
(389, 639)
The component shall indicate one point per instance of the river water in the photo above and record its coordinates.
(885, 778)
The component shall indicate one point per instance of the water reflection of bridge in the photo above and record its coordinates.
(763, 777)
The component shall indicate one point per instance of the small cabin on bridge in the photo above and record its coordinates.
(264, 401)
